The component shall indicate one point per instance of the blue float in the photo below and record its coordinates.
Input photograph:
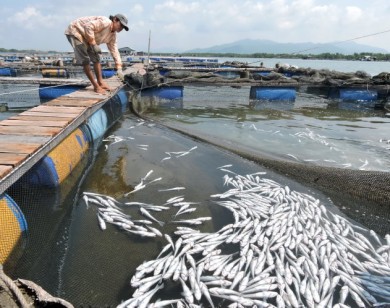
(12, 226)
(56, 166)
(48, 92)
(163, 71)
(173, 92)
(273, 93)
(228, 74)
(262, 73)
(123, 98)
(7, 71)
(108, 72)
(358, 95)
(115, 107)
(97, 124)
(11, 59)
(55, 72)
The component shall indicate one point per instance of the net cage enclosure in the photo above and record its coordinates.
(265, 230)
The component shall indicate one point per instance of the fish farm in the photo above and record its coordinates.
(194, 185)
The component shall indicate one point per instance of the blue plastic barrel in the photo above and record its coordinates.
(98, 124)
(13, 226)
(228, 75)
(7, 71)
(262, 73)
(163, 71)
(48, 92)
(273, 93)
(56, 166)
(108, 72)
(173, 92)
(55, 72)
(124, 99)
(115, 107)
(358, 95)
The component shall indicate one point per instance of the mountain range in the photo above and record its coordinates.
(248, 46)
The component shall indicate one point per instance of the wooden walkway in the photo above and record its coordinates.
(28, 136)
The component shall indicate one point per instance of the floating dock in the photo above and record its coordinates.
(27, 137)
(43, 145)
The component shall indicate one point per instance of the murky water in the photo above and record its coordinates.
(70, 256)
(89, 266)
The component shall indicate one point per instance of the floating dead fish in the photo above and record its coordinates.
(172, 189)
(150, 216)
(292, 252)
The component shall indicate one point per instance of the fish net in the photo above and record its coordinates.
(279, 246)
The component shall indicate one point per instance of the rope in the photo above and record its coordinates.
(348, 40)
(352, 39)
(14, 288)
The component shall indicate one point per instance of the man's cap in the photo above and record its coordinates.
(122, 18)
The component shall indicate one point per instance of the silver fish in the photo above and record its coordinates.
(172, 189)
(148, 215)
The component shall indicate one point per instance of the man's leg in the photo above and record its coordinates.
(88, 72)
(82, 57)
(98, 71)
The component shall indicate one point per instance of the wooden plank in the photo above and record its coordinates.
(19, 148)
(114, 83)
(72, 103)
(69, 99)
(50, 114)
(88, 93)
(56, 123)
(61, 98)
(10, 159)
(4, 170)
(39, 118)
(24, 139)
(25, 130)
(44, 108)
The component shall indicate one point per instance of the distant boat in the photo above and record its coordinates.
(368, 58)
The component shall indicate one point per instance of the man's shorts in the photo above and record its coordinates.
(83, 53)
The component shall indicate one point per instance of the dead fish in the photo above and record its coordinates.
(148, 215)
(172, 189)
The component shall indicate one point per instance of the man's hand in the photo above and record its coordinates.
(120, 74)
(97, 49)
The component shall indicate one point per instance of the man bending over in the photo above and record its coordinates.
(85, 34)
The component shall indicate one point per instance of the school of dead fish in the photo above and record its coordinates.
(284, 249)
(289, 251)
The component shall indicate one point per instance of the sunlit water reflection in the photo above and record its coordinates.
(311, 129)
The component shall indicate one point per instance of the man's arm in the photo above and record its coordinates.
(113, 48)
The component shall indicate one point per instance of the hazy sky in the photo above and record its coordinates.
(183, 25)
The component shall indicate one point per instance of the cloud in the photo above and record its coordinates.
(353, 14)
(31, 18)
(190, 24)
(137, 9)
